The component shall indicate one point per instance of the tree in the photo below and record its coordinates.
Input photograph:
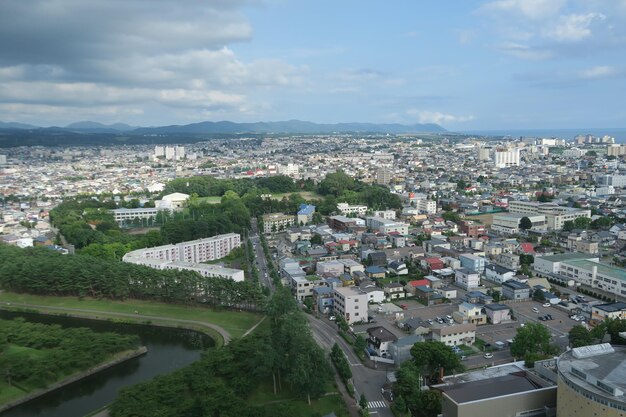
(363, 402)
(602, 223)
(591, 153)
(582, 222)
(525, 223)
(568, 226)
(532, 342)
(580, 336)
(316, 239)
(451, 216)
(430, 356)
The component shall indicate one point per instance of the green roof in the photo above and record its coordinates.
(567, 257)
(604, 269)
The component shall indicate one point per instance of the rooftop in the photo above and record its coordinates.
(604, 269)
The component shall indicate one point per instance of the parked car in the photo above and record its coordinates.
(535, 310)
(549, 316)
(403, 306)
(332, 318)
(541, 318)
(547, 304)
(488, 355)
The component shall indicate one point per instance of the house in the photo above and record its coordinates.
(377, 259)
(428, 295)
(430, 245)
(478, 297)
(498, 274)
(461, 334)
(374, 294)
(515, 290)
(447, 292)
(305, 213)
(466, 279)
(411, 285)
(508, 260)
(415, 325)
(497, 313)
(374, 272)
(472, 263)
(323, 299)
(432, 264)
(398, 268)
(470, 313)
(433, 281)
(393, 291)
(379, 341)
(401, 348)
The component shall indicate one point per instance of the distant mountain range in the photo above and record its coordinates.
(225, 127)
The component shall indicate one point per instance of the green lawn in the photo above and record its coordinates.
(9, 393)
(211, 200)
(235, 322)
(331, 401)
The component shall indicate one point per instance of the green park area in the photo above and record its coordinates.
(289, 402)
(35, 356)
(237, 323)
(307, 195)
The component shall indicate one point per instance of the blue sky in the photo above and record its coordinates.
(467, 65)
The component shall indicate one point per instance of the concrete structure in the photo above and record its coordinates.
(615, 310)
(277, 222)
(472, 262)
(592, 382)
(123, 214)
(386, 214)
(174, 201)
(497, 313)
(556, 215)
(460, 334)
(345, 208)
(502, 391)
(516, 290)
(305, 213)
(509, 223)
(190, 255)
(546, 265)
(386, 226)
(504, 158)
(380, 340)
(384, 176)
(596, 275)
(350, 304)
(426, 206)
(466, 279)
(498, 274)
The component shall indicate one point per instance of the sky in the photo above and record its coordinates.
(464, 64)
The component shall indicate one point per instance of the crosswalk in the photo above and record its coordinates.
(376, 404)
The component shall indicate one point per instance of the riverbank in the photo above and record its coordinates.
(117, 359)
(221, 325)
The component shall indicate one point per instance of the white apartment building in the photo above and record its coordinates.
(345, 209)
(351, 304)
(507, 157)
(508, 223)
(386, 226)
(466, 279)
(426, 206)
(276, 222)
(460, 334)
(289, 169)
(123, 214)
(556, 215)
(189, 255)
(596, 275)
(386, 214)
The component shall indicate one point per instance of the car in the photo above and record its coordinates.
(549, 316)
(463, 357)
(403, 306)
(488, 355)
(430, 321)
(449, 317)
(541, 318)
(332, 318)
(547, 304)
(379, 309)
(535, 310)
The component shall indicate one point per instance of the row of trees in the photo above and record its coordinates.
(282, 354)
(41, 271)
(579, 335)
(45, 353)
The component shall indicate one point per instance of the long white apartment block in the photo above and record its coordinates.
(190, 255)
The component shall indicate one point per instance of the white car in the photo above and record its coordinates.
(332, 318)
(535, 310)
(547, 304)
(488, 355)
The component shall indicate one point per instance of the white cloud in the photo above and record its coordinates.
(573, 27)
(425, 116)
(524, 51)
(531, 9)
(598, 72)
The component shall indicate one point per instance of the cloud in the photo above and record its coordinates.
(600, 72)
(573, 27)
(424, 116)
(524, 51)
(530, 9)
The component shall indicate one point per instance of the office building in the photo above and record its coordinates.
(351, 304)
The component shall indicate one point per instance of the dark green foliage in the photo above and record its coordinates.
(532, 342)
(57, 352)
(41, 271)
(341, 363)
(525, 223)
(580, 336)
(430, 356)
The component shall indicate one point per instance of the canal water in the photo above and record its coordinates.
(168, 350)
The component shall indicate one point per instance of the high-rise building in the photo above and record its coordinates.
(507, 157)
(159, 151)
(3, 159)
(383, 175)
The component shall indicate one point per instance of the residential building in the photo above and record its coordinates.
(498, 274)
(471, 228)
(470, 313)
(467, 279)
(386, 214)
(516, 290)
(504, 158)
(342, 223)
(460, 334)
(556, 215)
(350, 304)
(497, 313)
(426, 206)
(393, 291)
(401, 348)
(277, 222)
(323, 299)
(591, 381)
(384, 175)
(378, 224)
(472, 263)
(305, 213)
(509, 223)
(380, 340)
(122, 215)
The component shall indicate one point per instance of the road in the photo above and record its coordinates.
(365, 380)
(261, 262)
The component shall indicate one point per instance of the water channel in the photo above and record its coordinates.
(168, 350)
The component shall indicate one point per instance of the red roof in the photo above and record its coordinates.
(419, 282)
(527, 247)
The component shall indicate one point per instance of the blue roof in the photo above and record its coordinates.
(375, 270)
(306, 209)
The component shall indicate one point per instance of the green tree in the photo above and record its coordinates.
(525, 223)
(451, 216)
(568, 225)
(580, 336)
(591, 153)
(363, 402)
(430, 356)
(582, 222)
(532, 342)
(316, 239)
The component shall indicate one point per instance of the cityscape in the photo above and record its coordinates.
(193, 224)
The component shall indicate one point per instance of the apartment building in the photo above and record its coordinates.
(351, 304)
(509, 223)
(460, 334)
(345, 209)
(466, 279)
(123, 214)
(277, 222)
(556, 215)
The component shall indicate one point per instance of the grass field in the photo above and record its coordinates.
(9, 392)
(331, 401)
(235, 322)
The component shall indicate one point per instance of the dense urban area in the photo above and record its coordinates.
(340, 274)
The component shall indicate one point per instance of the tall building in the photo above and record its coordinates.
(383, 176)
(159, 151)
(504, 158)
(484, 154)
(350, 304)
(616, 150)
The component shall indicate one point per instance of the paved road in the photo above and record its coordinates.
(261, 262)
(366, 380)
(85, 313)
